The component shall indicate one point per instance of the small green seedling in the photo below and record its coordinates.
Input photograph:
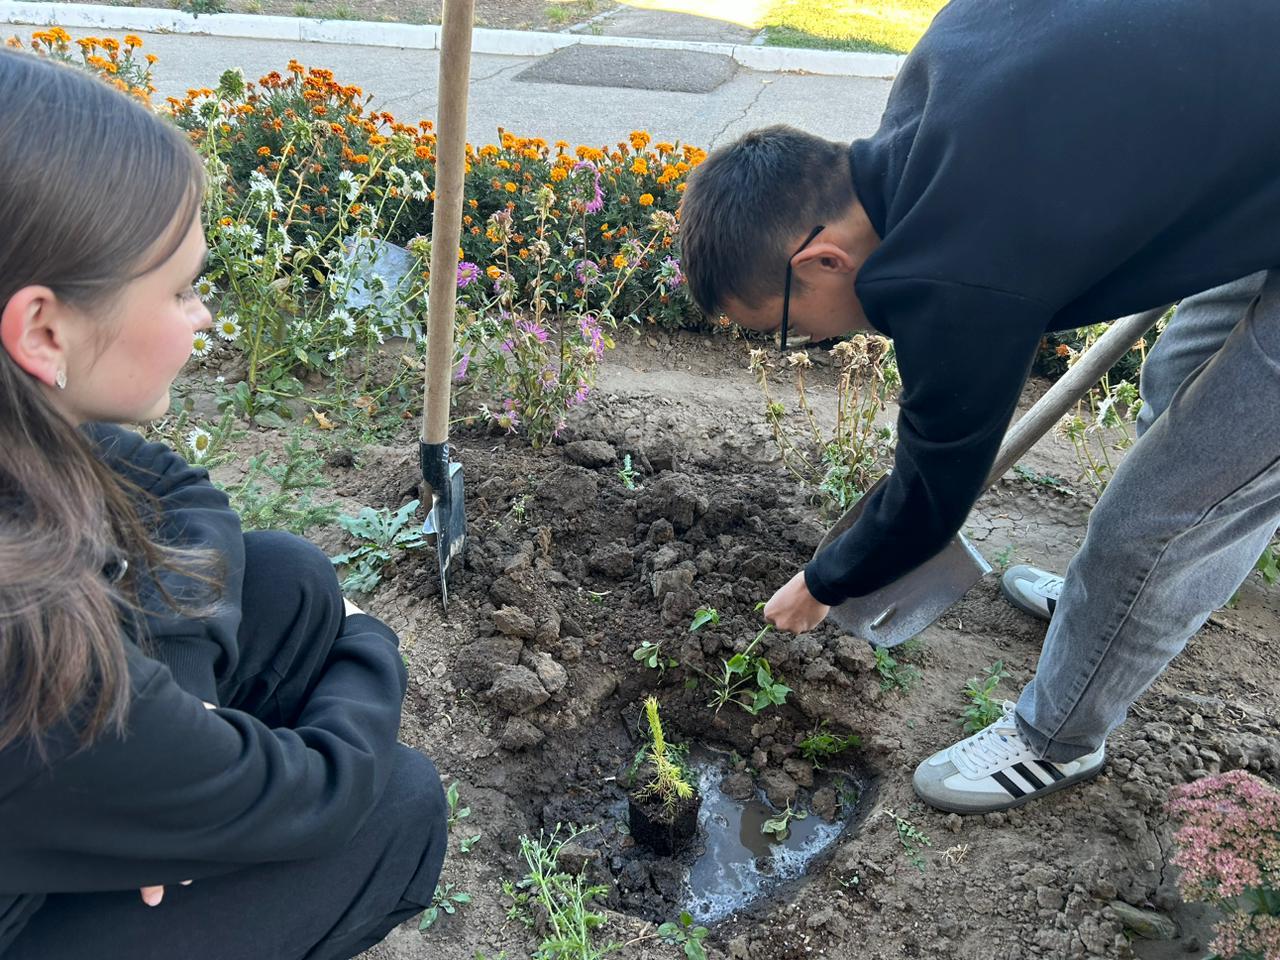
(627, 475)
(456, 813)
(912, 839)
(779, 827)
(894, 675)
(1004, 558)
(520, 507)
(703, 616)
(557, 903)
(748, 681)
(670, 782)
(381, 534)
(443, 901)
(651, 655)
(1043, 479)
(822, 745)
(466, 843)
(982, 710)
(684, 934)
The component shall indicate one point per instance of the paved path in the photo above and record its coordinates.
(404, 83)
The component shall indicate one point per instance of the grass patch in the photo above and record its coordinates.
(876, 26)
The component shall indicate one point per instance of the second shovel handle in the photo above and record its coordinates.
(1071, 387)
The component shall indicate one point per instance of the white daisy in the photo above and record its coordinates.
(397, 177)
(347, 321)
(338, 354)
(228, 327)
(201, 344)
(418, 189)
(350, 187)
(205, 289)
(199, 441)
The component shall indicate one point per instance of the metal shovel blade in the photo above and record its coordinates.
(447, 519)
(897, 612)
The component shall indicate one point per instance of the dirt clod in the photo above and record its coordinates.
(517, 690)
(519, 734)
(591, 454)
(778, 787)
(514, 622)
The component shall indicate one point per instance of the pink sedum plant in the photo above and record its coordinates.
(1229, 854)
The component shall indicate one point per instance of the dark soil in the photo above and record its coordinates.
(528, 697)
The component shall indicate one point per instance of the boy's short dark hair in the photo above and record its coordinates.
(749, 202)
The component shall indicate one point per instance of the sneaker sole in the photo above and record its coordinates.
(1040, 794)
(1022, 604)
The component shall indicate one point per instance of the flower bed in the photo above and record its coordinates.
(308, 185)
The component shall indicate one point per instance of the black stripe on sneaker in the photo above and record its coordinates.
(1031, 779)
(1051, 770)
(1010, 787)
(1050, 603)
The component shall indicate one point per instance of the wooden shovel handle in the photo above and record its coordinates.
(1118, 340)
(446, 226)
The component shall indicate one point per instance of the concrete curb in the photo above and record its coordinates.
(511, 43)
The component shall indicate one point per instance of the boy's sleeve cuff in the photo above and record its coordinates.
(819, 590)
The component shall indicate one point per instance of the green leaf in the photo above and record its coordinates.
(269, 418)
(693, 949)
(703, 616)
(737, 664)
(429, 916)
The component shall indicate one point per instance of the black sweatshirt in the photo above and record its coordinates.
(1042, 166)
(189, 792)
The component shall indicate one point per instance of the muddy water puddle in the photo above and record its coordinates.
(733, 862)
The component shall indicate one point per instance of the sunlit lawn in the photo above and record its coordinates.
(884, 26)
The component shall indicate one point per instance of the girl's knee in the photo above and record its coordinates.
(288, 569)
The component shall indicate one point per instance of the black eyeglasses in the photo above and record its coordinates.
(786, 289)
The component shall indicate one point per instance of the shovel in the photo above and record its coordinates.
(447, 519)
(897, 612)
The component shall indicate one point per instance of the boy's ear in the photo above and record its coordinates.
(31, 333)
(827, 256)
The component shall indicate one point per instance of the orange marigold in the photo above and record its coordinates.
(619, 262)
(646, 199)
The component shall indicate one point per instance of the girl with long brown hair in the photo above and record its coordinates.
(198, 753)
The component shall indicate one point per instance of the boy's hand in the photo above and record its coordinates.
(794, 609)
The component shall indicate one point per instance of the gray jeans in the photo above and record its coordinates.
(1182, 522)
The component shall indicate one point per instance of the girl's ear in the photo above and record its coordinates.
(31, 332)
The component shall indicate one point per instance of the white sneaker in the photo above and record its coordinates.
(1032, 590)
(995, 770)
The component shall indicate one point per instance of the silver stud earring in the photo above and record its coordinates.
(60, 379)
